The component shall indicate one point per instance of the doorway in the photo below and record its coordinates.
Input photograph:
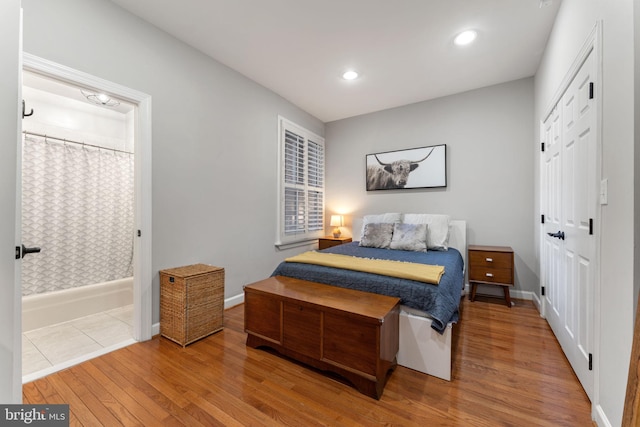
(137, 117)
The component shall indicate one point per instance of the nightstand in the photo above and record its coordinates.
(329, 241)
(491, 265)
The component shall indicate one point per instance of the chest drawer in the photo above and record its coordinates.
(490, 259)
(493, 275)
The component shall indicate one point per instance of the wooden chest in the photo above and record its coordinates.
(349, 332)
(191, 302)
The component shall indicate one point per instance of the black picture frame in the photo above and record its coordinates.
(423, 167)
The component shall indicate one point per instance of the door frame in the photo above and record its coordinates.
(142, 282)
(593, 46)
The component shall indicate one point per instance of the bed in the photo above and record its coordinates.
(428, 312)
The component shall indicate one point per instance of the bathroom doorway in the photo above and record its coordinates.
(85, 142)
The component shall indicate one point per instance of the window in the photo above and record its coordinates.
(301, 184)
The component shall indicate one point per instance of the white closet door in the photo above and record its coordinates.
(569, 202)
(552, 174)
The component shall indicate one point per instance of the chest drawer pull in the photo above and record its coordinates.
(489, 259)
(489, 274)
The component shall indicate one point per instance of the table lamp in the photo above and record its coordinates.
(336, 221)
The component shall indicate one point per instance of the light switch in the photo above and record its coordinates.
(604, 184)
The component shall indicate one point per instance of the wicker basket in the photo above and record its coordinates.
(191, 302)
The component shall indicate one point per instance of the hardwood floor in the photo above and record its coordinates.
(508, 371)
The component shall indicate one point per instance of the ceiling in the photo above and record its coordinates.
(403, 49)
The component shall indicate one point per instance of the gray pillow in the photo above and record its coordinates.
(438, 238)
(409, 237)
(376, 235)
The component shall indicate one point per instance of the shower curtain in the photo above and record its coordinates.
(77, 205)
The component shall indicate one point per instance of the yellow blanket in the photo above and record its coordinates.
(404, 270)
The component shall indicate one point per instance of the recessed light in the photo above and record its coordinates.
(465, 37)
(100, 99)
(350, 75)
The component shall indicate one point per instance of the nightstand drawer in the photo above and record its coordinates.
(493, 275)
(490, 259)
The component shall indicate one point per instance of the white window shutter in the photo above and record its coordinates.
(301, 183)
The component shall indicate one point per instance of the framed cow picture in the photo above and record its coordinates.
(424, 167)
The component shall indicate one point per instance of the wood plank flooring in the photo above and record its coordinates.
(508, 371)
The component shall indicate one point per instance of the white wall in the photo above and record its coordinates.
(10, 341)
(61, 117)
(575, 20)
(489, 165)
(210, 126)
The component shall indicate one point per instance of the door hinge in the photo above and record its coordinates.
(590, 226)
(139, 233)
(543, 291)
(542, 147)
(590, 362)
(18, 252)
(542, 219)
(591, 90)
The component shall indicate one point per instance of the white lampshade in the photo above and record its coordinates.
(336, 221)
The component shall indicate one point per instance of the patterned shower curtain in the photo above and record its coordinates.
(77, 205)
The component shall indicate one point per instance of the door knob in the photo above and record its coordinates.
(26, 250)
(557, 235)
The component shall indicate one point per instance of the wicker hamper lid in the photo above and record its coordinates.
(191, 270)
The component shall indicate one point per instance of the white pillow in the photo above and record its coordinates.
(438, 229)
(409, 237)
(386, 218)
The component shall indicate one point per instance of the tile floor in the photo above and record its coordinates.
(45, 348)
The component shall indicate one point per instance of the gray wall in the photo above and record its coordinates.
(614, 302)
(215, 144)
(489, 165)
(10, 339)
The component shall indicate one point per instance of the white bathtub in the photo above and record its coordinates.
(60, 306)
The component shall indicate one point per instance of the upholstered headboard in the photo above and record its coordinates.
(458, 237)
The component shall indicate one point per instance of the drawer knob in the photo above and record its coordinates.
(489, 275)
(489, 259)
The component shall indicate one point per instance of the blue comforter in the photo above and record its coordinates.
(439, 301)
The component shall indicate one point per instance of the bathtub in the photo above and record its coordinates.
(60, 306)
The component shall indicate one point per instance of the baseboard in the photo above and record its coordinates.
(525, 295)
(496, 291)
(233, 301)
(537, 302)
(600, 417)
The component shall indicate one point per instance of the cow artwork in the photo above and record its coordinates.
(395, 172)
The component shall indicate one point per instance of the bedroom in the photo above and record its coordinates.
(203, 117)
